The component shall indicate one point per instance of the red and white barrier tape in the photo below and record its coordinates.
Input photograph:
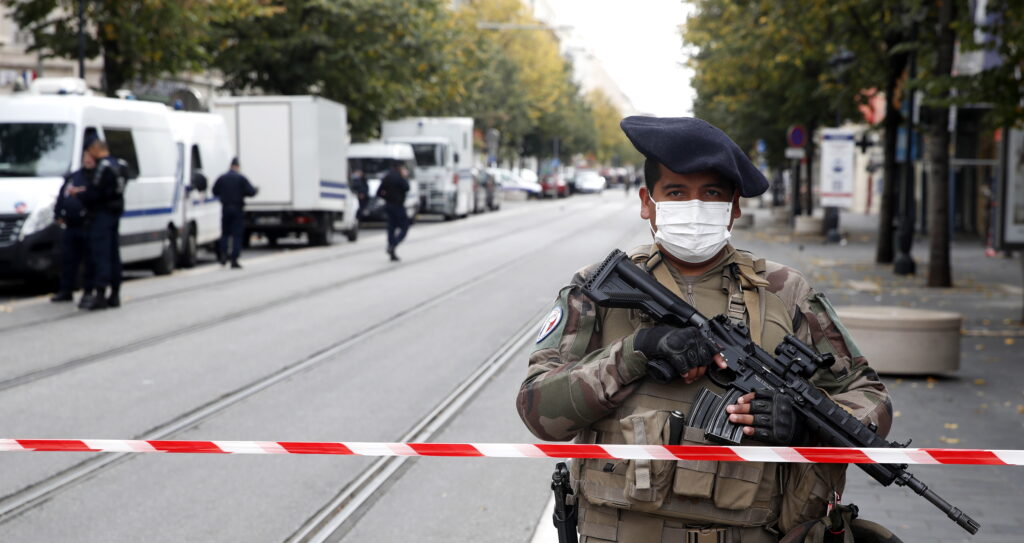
(826, 455)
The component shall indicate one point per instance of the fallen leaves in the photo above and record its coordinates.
(951, 426)
(979, 381)
(949, 440)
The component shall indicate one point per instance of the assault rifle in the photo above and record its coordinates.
(617, 282)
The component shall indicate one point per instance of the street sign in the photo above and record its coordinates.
(761, 146)
(795, 153)
(837, 151)
(796, 136)
(1011, 204)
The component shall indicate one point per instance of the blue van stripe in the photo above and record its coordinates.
(145, 212)
(333, 195)
(333, 184)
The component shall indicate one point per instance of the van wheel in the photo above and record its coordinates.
(353, 234)
(164, 264)
(322, 235)
(189, 249)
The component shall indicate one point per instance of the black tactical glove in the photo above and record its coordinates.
(671, 351)
(775, 420)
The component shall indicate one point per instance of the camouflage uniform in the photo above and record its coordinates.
(585, 381)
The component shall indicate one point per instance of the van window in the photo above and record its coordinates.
(122, 146)
(35, 149)
(197, 162)
(428, 154)
(371, 167)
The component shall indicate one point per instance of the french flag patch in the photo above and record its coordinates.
(549, 324)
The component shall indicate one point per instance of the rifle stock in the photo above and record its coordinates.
(617, 282)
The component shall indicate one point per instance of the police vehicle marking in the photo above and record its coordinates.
(549, 324)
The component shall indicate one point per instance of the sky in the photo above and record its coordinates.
(639, 44)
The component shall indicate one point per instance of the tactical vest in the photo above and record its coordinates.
(720, 493)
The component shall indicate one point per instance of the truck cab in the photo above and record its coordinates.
(442, 146)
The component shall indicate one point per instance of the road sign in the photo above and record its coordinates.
(796, 135)
(796, 153)
(1011, 204)
(837, 150)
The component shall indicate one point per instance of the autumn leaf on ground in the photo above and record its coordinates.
(949, 440)
(979, 381)
(951, 426)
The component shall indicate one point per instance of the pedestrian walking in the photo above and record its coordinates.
(103, 198)
(72, 216)
(587, 377)
(393, 189)
(232, 189)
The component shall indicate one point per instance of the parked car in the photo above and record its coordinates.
(588, 181)
(554, 185)
(522, 187)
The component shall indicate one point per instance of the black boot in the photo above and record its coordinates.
(61, 297)
(86, 299)
(235, 265)
(98, 301)
(114, 300)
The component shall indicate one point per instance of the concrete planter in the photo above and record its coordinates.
(902, 340)
(744, 222)
(809, 226)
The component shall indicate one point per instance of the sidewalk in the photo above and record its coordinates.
(980, 406)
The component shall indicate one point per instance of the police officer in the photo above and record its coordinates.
(232, 188)
(361, 189)
(393, 189)
(103, 197)
(72, 216)
(587, 373)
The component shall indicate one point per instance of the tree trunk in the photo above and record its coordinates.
(884, 251)
(937, 159)
(113, 71)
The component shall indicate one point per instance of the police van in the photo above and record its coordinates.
(41, 139)
(374, 159)
(203, 154)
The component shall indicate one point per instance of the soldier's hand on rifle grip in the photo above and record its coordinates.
(672, 352)
(769, 417)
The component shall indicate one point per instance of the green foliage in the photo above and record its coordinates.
(138, 40)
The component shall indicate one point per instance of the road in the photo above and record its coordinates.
(339, 344)
(325, 344)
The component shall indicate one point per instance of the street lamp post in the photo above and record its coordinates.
(81, 39)
(903, 263)
(838, 63)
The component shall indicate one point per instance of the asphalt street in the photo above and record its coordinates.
(339, 344)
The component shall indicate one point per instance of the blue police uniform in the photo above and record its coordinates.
(74, 237)
(232, 188)
(104, 199)
(393, 189)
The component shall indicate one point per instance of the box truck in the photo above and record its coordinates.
(443, 146)
(294, 149)
(41, 139)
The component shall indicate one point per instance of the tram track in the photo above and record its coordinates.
(338, 254)
(222, 319)
(23, 500)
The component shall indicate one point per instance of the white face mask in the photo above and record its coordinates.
(692, 231)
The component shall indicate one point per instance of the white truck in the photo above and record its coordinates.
(203, 153)
(443, 146)
(293, 149)
(41, 139)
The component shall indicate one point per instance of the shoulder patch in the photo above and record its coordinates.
(550, 323)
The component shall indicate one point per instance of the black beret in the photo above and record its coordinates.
(690, 145)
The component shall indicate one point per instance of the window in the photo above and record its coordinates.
(35, 149)
(428, 154)
(197, 161)
(122, 146)
(371, 167)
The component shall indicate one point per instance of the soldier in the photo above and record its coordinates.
(586, 377)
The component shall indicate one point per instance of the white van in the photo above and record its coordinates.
(203, 153)
(41, 140)
(443, 146)
(374, 159)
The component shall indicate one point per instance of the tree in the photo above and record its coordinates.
(139, 40)
(611, 143)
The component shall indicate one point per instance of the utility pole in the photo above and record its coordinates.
(81, 39)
